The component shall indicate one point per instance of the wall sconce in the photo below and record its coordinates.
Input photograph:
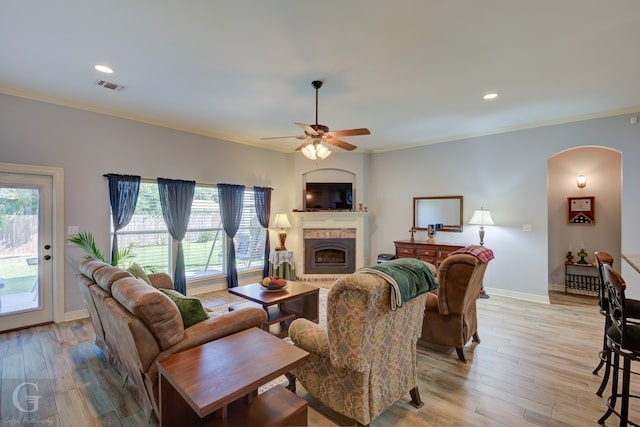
(581, 181)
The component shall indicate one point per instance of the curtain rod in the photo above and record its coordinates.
(154, 179)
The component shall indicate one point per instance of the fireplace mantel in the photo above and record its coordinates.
(332, 220)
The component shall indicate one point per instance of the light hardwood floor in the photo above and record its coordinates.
(532, 368)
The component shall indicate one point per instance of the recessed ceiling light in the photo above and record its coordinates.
(103, 69)
(490, 96)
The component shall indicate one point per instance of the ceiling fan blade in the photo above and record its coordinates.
(350, 132)
(291, 136)
(308, 129)
(340, 144)
(304, 144)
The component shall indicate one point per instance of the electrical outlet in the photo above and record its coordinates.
(526, 227)
(633, 120)
(73, 229)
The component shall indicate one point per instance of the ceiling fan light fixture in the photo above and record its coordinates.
(309, 151)
(322, 151)
(315, 150)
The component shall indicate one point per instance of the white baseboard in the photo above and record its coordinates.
(542, 299)
(75, 315)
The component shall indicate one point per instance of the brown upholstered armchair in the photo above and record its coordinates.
(365, 359)
(450, 314)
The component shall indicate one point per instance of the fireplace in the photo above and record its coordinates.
(329, 256)
(346, 236)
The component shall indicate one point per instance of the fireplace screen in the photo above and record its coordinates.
(329, 256)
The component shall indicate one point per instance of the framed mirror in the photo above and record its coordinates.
(443, 211)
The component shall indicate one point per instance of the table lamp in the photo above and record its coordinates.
(282, 222)
(481, 217)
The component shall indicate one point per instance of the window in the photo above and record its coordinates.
(204, 246)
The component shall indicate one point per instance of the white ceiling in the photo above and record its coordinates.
(412, 71)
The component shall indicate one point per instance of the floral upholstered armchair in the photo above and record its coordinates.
(365, 359)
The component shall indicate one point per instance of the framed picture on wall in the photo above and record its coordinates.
(582, 210)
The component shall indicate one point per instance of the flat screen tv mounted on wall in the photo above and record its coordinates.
(328, 196)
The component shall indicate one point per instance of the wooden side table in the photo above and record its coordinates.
(217, 383)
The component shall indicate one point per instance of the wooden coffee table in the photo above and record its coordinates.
(282, 307)
(217, 383)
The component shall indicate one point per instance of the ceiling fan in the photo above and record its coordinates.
(317, 134)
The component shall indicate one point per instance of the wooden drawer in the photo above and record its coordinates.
(405, 251)
(445, 252)
(430, 260)
(433, 253)
(427, 252)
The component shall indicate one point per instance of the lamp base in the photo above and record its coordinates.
(283, 237)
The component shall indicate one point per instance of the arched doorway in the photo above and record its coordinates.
(602, 168)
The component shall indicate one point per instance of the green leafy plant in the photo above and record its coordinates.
(85, 241)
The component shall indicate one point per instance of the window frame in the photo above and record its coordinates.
(249, 226)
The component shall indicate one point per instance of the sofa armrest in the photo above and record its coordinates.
(212, 329)
(217, 327)
(310, 337)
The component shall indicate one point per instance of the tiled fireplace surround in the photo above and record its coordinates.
(330, 225)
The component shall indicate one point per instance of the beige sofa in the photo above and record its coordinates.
(136, 325)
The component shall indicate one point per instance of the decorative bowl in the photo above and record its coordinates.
(273, 283)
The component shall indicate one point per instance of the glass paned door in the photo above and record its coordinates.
(26, 290)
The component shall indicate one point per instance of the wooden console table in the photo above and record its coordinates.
(217, 383)
(431, 252)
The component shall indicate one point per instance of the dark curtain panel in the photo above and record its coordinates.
(262, 197)
(176, 197)
(231, 203)
(123, 196)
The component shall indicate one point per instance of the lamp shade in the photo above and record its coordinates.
(481, 217)
(281, 221)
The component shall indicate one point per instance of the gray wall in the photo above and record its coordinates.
(506, 173)
(87, 145)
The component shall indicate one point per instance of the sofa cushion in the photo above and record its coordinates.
(139, 272)
(89, 266)
(151, 306)
(106, 276)
(191, 309)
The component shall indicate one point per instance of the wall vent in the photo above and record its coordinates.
(111, 86)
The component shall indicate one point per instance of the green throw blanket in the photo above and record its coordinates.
(408, 277)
